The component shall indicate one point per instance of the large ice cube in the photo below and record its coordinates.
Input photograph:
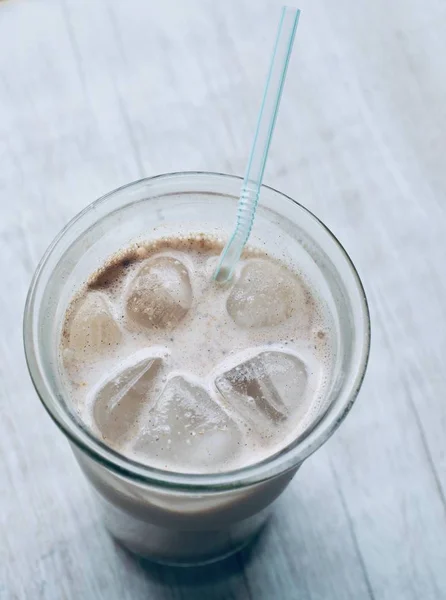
(265, 294)
(119, 399)
(161, 293)
(93, 328)
(266, 389)
(187, 429)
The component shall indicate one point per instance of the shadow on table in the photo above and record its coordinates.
(216, 581)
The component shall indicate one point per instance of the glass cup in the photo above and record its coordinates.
(178, 518)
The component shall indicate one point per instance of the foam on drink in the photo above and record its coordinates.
(185, 374)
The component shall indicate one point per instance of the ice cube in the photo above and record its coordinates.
(265, 294)
(161, 293)
(93, 328)
(266, 389)
(119, 399)
(187, 429)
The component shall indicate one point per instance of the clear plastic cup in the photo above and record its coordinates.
(177, 518)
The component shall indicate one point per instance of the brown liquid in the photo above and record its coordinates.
(217, 377)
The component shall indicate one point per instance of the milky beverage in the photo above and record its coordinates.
(190, 405)
(184, 374)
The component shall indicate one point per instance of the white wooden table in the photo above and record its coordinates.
(95, 93)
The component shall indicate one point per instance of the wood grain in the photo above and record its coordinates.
(96, 93)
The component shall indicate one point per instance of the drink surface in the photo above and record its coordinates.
(188, 375)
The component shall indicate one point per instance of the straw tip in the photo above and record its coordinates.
(291, 11)
(222, 275)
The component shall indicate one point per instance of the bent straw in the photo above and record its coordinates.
(249, 195)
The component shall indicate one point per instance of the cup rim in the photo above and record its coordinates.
(279, 463)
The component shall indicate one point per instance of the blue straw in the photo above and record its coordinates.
(249, 195)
